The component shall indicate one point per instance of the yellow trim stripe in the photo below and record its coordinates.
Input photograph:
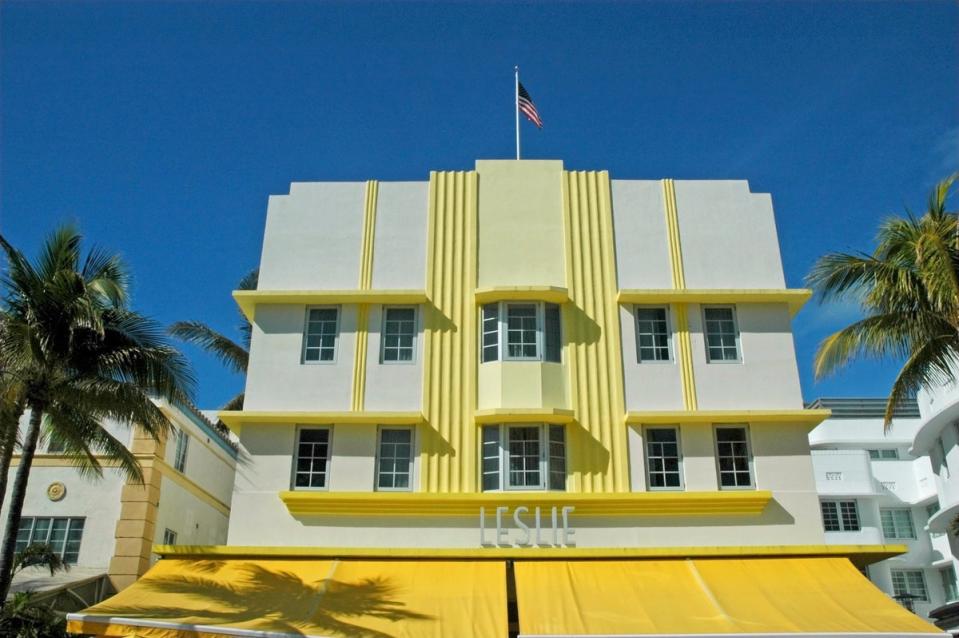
(358, 389)
(795, 298)
(685, 355)
(729, 503)
(809, 417)
(598, 451)
(859, 554)
(448, 456)
(248, 300)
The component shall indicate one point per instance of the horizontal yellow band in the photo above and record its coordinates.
(249, 299)
(795, 297)
(859, 554)
(809, 417)
(235, 419)
(524, 415)
(552, 294)
(304, 503)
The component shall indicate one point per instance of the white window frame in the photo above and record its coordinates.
(71, 521)
(169, 536)
(296, 458)
(670, 358)
(882, 454)
(181, 450)
(336, 335)
(412, 459)
(896, 535)
(502, 334)
(543, 430)
(737, 334)
(749, 455)
(923, 598)
(679, 455)
(412, 359)
(838, 503)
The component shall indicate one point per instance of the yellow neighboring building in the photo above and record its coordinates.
(518, 400)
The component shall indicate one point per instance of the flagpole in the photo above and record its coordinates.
(516, 106)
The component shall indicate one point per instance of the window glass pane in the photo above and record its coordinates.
(491, 457)
(395, 458)
(320, 335)
(830, 516)
(849, 516)
(720, 332)
(521, 342)
(523, 452)
(23, 533)
(909, 582)
(652, 334)
(557, 457)
(552, 336)
(732, 453)
(490, 320)
(662, 458)
(312, 458)
(179, 456)
(949, 591)
(399, 329)
(897, 523)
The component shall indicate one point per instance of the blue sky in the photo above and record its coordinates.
(161, 128)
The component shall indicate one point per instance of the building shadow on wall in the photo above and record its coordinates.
(267, 600)
(581, 329)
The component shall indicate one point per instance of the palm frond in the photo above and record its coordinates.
(231, 354)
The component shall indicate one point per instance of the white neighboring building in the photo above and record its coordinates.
(105, 528)
(874, 490)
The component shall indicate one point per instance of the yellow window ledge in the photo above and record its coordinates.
(248, 300)
(796, 298)
(235, 419)
(811, 418)
(552, 294)
(315, 503)
(858, 554)
(524, 415)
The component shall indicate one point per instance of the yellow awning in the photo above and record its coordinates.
(827, 596)
(181, 598)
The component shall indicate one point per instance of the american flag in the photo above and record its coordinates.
(525, 104)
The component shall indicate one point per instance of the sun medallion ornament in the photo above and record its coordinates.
(56, 491)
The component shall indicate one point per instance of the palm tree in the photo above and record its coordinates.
(81, 357)
(234, 356)
(908, 289)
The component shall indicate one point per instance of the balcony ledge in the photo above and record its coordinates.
(235, 419)
(248, 300)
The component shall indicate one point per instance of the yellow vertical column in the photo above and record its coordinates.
(358, 396)
(599, 453)
(448, 457)
(684, 344)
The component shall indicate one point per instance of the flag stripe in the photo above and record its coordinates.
(525, 104)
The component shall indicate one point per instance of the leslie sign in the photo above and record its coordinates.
(522, 527)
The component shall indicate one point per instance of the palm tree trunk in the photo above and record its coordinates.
(17, 497)
(8, 441)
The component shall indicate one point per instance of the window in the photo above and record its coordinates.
(394, 459)
(732, 455)
(840, 516)
(944, 463)
(63, 535)
(399, 334)
(179, 456)
(949, 591)
(909, 582)
(169, 537)
(524, 457)
(652, 335)
(312, 459)
(722, 338)
(319, 338)
(884, 455)
(931, 509)
(897, 523)
(527, 331)
(663, 464)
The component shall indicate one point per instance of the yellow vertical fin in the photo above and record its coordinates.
(358, 395)
(684, 344)
(599, 454)
(449, 449)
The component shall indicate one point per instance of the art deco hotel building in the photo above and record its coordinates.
(518, 400)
